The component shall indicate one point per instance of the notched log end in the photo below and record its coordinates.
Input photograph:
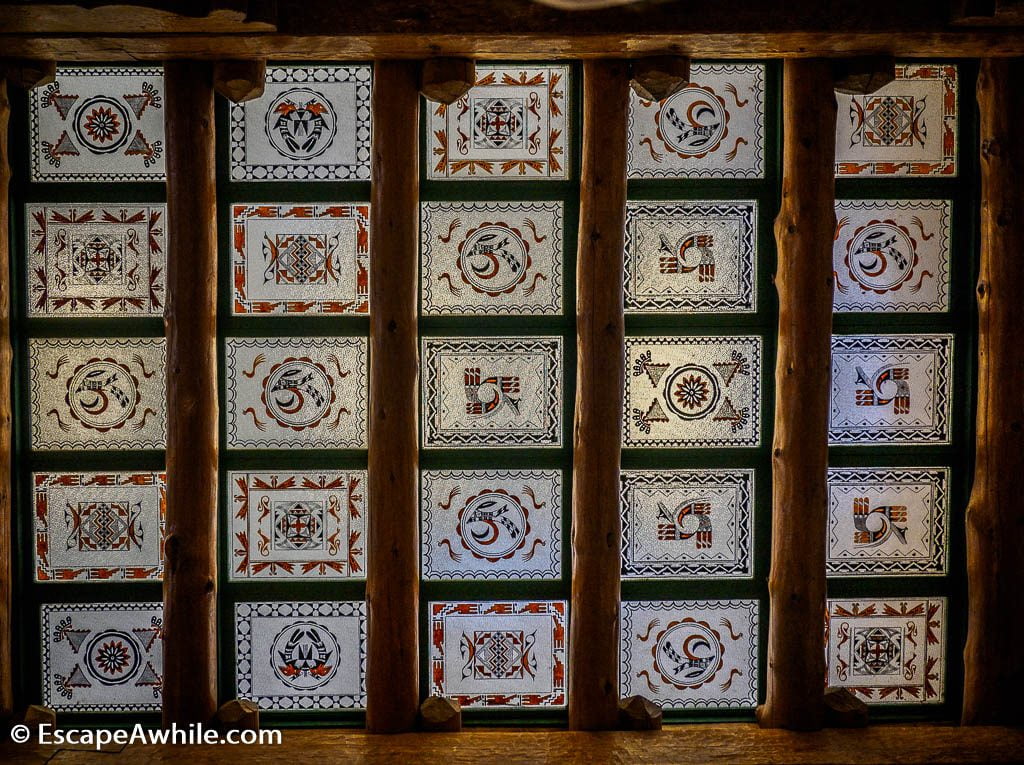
(844, 710)
(240, 80)
(440, 715)
(237, 714)
(639, 713)
(446, 80)
(658, 77)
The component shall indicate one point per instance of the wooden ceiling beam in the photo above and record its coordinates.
(966, 43)
(446, 80)
(657, 77)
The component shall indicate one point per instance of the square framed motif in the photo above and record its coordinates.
(301, 656)
(502, 258)
(892, 256)
(308, 525)
(690, 654)
(683, 524)
(891, 389)
(493, 392)
(311, 123)
(888, 521)
(300, 259)
(711, 128)
(512, 124)
(692, 391)
(102, 657)
(96, 260)
(691, 257)
(99, 124)
(907, 128)
(97, 393)
(491, 524)
(300, 392)
(889, 651)
(499, 653)
(99, 526)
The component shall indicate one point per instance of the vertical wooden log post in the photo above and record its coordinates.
(392, 578)
(190, 548)
(6, 529)
(804, 231)
(600, 334)
(994, 654)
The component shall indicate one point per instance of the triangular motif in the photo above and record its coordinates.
(655, 371)
(727, 369)
(77, 679)
(139, 146)
(655, 412)
(63, 104)
(138, 103)
(148, 676)
(727, 412)
(148, 636)
(76, 638)
(65, 147)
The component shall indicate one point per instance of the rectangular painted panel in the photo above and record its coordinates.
(299, 525)
(907, 128)
(99, 526)
(97, 394)
(889, 651)
(888, 521)
(102, 123)
(711, 128)
(301, 656)
(311, 123)
(96, 259)
(687, 524)
(691, 257)
(892, 256)
(300, 259)
(502, 258)
(102, 657)
(296, 392)
(891, 389)
(692, 391)
(691, 654)
(499, 653)
(491, 391)
(511, 125)
(491, 524)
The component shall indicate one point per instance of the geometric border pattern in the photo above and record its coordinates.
(941, 386)
(741, 567)
(628, 628)
(556, 609)
(360, 170)
(745, 301)
(936, 563)
(243, 653)
(45, 611)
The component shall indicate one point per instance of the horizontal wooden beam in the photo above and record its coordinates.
(537, 46)
(6, 529)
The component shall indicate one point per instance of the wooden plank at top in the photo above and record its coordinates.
(6, 529)
(597, 443)
(804, 231)
(392, 576)
(548, 44)
(994, 655)
(190, 318)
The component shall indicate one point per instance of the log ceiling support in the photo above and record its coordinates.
(392, 578)
(658, 77)
(190, 546)
(6, 358)
(994, 657)
(600, 334)
(446, 80)
(804, 232)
